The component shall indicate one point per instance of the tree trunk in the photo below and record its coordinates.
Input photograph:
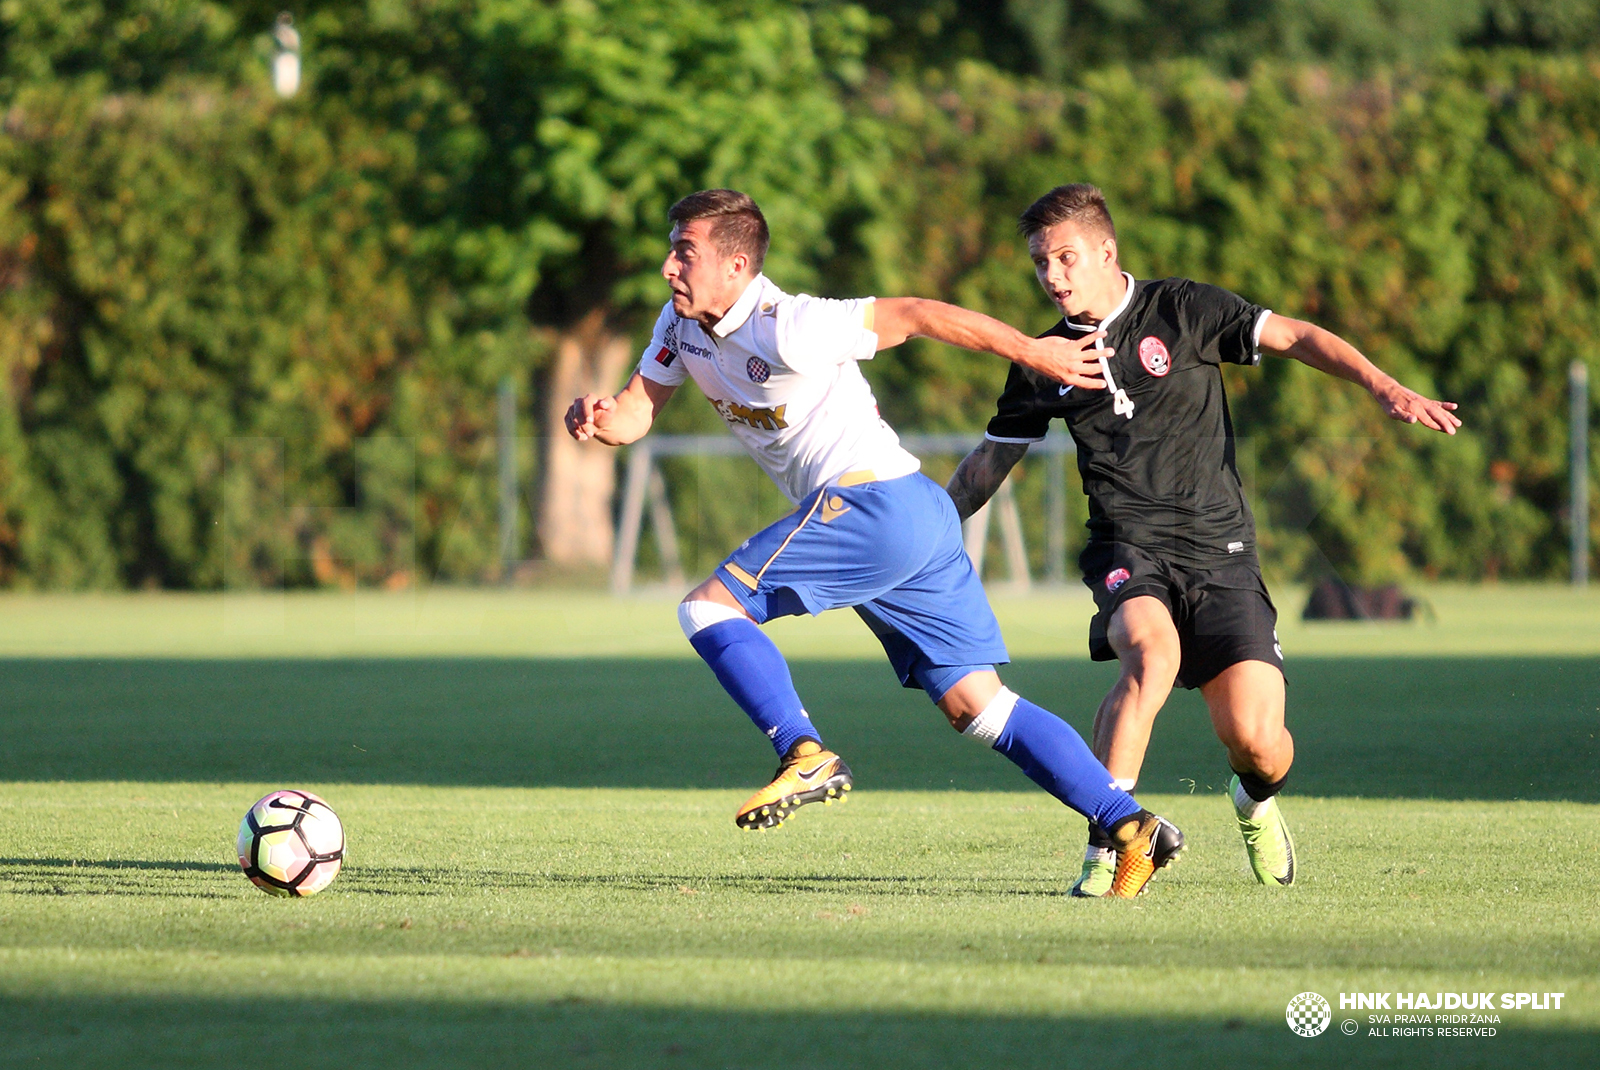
(579, 478)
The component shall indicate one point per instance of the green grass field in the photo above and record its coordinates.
(543, 869)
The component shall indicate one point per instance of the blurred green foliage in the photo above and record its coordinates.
(1060, 39)
(250, 341)
(1443, 220)
(253, 341)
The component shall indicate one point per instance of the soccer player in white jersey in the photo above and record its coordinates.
(869, 530)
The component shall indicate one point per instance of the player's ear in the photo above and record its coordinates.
(1108, 250)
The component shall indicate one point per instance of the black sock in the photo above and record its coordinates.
(1099, 838)
(791, 754)
(1258, 789)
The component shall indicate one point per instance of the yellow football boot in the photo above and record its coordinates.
(809, 774)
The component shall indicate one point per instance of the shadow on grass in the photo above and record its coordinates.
(573, 1032)
(1451, 728)
(135, 877)
(393, 880)
(63, 876)
(112, 865)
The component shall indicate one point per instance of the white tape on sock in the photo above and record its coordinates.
(987, 726)
(1126, 783)
(697, 615)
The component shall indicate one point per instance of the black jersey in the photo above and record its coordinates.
(1155, 448)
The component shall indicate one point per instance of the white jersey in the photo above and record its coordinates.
(781, 370)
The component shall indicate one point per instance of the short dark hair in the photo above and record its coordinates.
(1077, 202)
(738, 225)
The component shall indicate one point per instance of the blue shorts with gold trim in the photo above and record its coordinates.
(892, 550)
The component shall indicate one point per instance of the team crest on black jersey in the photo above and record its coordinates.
(1116, 578)
(1154, 356)
(757, 369)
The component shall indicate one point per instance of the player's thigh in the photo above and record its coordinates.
(1143, 634)
(1226, 625)
(712, 589)
(842, 546)
(1246, 701)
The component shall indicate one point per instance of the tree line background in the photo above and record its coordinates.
(252, 341)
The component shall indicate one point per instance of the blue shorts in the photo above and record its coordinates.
(892, 550)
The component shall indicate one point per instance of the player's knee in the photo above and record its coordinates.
(1261, 747)
(962, 693)
(959, 707)
(989, 722)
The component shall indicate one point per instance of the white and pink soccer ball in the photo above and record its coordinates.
(291, 843)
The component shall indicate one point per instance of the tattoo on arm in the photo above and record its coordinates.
(981, 472)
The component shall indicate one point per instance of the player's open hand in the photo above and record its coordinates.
(1410, 407)
(588, 414)
(1070, 361)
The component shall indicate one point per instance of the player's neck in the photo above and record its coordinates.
(723, 303)
(1106, 303)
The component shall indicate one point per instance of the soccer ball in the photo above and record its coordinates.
(291, 843)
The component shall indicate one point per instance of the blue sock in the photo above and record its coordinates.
(752, 671)
(1055, 757)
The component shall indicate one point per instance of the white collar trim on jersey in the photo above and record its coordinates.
(735, 317)
(1122, 306)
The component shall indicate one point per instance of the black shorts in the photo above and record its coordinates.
(1223, 615)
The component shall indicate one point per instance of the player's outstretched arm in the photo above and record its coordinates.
(1073, 362)
(981, 472)
(1327, 352)
(623, 418)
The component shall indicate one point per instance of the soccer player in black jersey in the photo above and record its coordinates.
(1171, 557)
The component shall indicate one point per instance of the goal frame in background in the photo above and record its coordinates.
(644, 488)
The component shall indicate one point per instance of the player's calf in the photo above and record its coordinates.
(1055, 757)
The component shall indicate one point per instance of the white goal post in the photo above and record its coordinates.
(643, 486)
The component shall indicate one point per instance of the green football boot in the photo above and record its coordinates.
(1099, 866)
(1266, 841)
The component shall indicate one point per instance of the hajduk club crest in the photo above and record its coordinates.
(757, 369)
(1154, 356)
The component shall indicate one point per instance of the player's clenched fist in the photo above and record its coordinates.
(587, 415)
